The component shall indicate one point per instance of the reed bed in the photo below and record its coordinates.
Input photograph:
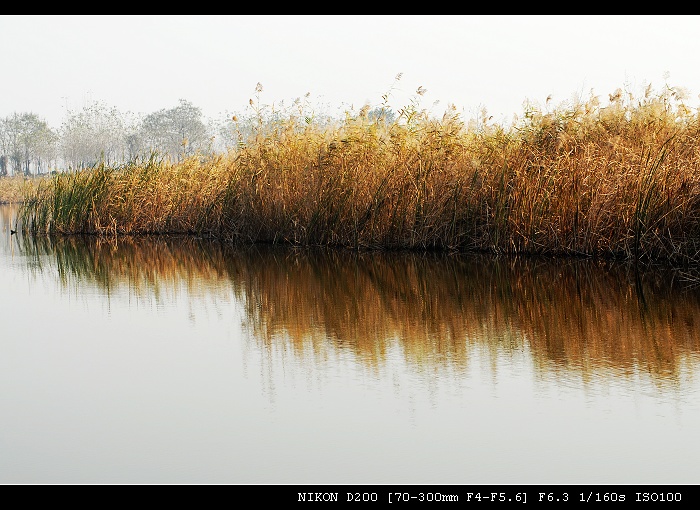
(616, 180)
(14, 188)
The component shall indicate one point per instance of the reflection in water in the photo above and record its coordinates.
(166, 360)
(571, 316)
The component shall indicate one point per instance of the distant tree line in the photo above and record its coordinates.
(100, 134)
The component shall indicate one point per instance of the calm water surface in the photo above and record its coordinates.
(185, 361)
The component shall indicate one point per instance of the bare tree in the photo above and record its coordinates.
(5, 147)
(177, 132)
(45, 149)
(96, 134)
(27, 142)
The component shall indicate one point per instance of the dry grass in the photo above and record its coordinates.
(619, 180)
(13, 189)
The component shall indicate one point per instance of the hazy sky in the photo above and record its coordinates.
(142, 64)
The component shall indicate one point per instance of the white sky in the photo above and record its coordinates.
(142, 64)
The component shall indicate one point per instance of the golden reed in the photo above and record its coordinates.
(620, 180)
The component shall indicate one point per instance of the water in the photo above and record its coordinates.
(178, 360)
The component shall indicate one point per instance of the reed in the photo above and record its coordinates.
(14, 188)
(582, 178)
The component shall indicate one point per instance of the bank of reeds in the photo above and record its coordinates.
(14, 188)
(616, 180)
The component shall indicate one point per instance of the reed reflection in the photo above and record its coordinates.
(569, 315)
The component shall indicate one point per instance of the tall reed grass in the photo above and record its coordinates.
(14, 188)
(619, 179)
